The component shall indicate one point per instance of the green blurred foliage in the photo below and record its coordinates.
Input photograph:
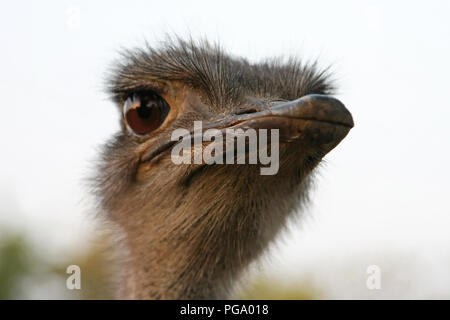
(266, 290)
(25, 273)
(15, 263)
(24, 270)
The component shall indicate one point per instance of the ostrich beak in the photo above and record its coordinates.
(318, 120)
(315, 107)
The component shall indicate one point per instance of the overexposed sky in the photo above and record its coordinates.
(384, 188)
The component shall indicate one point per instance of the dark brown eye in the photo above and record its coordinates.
(144, 113)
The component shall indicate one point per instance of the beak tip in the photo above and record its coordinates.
(327, 108)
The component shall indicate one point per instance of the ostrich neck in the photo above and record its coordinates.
(196, 250)
(200, 262)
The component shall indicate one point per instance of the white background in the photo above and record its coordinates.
(382, 197)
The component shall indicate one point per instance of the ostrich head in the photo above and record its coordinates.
(190, 229)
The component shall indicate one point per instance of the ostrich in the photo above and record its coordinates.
(190, 230)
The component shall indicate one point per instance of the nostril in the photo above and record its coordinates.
(246, 111)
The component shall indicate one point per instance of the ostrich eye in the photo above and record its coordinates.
(144, 113)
